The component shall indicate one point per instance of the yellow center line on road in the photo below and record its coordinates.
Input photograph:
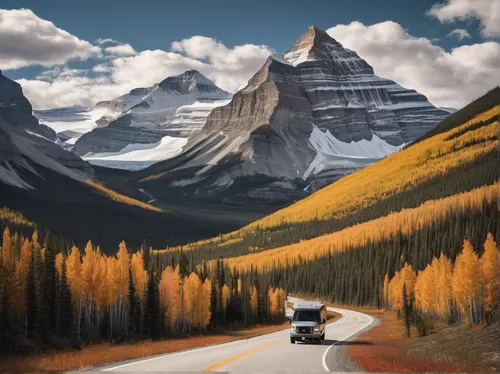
(234, 358)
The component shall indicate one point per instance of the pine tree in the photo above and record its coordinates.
(132, 305)
(151, 317)
(406, 311)
(31, 306)
(65, 307)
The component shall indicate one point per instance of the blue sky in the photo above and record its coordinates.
(154, 25)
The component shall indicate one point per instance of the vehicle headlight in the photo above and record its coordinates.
(294, 328)
(316, 329)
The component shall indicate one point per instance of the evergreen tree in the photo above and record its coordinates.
(65, 307)
(406, 311)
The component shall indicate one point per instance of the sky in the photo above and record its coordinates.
(79, 52)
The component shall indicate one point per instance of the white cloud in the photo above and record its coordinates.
(460, 33)
(449, 79)
(229, 68)
(486, 11)
(26, 39)
(102, 41)
(121, 50)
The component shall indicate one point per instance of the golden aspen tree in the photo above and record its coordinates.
(169, 290)
(444, 285)
(59, 264)
(254, 300)
(22, 269)
(89, 266)
(139, 275)
(226, 297)
(405, 277)
(490, 272)
(271, 301)
(8, 257)
(206, 300)
(239, 286)
(466, 281)
(385, 291)
(73, 271)
(281, 297)
(101, 295)
(192, 299)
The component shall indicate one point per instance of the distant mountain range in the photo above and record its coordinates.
(140, 128)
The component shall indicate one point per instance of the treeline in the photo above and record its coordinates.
(355, 276)
(462, 290)
(58, 297)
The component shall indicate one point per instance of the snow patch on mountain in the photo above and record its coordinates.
(333, 152)
(138, 156)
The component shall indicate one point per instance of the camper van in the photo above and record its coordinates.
(308, 321)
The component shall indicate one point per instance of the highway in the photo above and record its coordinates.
(266, 353)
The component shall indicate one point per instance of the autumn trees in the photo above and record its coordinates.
(48, 292)
(465, 290)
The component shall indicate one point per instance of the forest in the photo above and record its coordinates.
(60, 298)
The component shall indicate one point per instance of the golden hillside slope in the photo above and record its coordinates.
(398, 172)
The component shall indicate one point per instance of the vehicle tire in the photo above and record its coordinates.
(292, 340)
(323, 336)
(318, 340)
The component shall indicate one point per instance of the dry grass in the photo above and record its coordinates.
(100, 354)
(385, 348)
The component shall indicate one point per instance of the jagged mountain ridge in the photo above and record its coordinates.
(176, 108)
(303, 120)
(24, 143)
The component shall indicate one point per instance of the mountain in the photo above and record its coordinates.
(410, 206)
(155, 127)
(58, 191)
(71, 123)
(303, 121)
(25, 143)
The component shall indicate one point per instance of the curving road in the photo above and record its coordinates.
(266, 353)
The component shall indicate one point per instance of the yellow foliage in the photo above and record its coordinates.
(490, 272)
(406, 221)
(14, 217)
(113, 195)
(466, 278)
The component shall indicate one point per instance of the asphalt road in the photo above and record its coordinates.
(266, 353)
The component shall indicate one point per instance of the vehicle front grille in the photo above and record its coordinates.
(303, 330)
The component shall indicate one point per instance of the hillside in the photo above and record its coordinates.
(451, 162)
(404, 211)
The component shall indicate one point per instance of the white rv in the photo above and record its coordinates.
(308, 321)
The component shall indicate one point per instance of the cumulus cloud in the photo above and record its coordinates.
(486, 11)
(229, 68)
(460, 33)
(26, 39)
(449, 79)
(121, 50)
(102, 41)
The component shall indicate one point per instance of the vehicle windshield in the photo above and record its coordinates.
(306, 316)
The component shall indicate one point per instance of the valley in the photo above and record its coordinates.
(175, 224)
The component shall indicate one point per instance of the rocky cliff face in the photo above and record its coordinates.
(24, 142)
(176, 107)
(303, 120)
